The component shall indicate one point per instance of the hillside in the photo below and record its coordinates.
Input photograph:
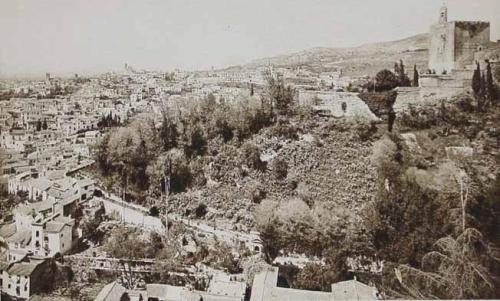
(328, 167)
(357, 61)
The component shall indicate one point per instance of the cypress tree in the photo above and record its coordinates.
(415, 76)
(401, 69)
(476, 81)
(481, 99)
(490, 86)
(396, 68)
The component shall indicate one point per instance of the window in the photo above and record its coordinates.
(37, 233)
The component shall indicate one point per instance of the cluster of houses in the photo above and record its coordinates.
(231, 288)
(41, 228)
(47, 132)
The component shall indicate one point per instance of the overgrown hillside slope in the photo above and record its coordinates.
(327, 165)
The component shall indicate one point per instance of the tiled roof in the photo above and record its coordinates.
(54, 227)
(111, 292)
(353, 290)
(164, 292)
(22, 237)
(8, 230)
(40, 183)
(37, 207)
(23, 268)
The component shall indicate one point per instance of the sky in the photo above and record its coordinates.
(91, 36)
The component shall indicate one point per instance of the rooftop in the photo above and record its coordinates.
(111, 292)
(24, 268)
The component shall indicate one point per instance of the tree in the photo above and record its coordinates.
(490, 85)
(391, 119)
(201, 210)
(198, 143)
(38, 126)
(482, 97)
(278, 95)
(415, 76)
(396, 68)
(168, 133)
(224, 129)
(316, 277)
(385, 80)
(251, 157)
(476, 80)
(406, 219)
(458, 268)
(126, 244)
(154, 211)
(44, 124)
(125, 297)
(399, 70)
(102, 155)
(280, 168)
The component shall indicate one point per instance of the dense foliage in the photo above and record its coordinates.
(142, 156)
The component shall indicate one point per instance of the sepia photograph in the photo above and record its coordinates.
(249, 150)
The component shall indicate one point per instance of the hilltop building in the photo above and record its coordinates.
(453, 44)
(454, 49)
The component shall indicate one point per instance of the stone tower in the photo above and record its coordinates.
(453, 44)
(443, 14)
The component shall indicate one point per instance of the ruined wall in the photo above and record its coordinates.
(131, 213)
(411, 96)
(337, 104)
(458, 80)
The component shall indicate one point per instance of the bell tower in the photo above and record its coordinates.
(443, 14)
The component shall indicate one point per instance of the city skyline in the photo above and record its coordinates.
(88, 37)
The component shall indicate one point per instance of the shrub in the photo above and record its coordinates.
(224, 129)
(251, 157)
(201, 210)
(286, 130)
(280, 168)
(154, 211)
(366, 131)
(198, 143)
(380, 103)
(181, 178)
(385, 80)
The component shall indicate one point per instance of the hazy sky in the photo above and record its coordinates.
(87, 36)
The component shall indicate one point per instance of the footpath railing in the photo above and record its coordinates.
(146, 265)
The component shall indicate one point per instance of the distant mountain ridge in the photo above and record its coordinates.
(364, 59)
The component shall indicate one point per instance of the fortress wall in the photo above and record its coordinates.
(470, 37)
(132, 215)
(422, 96)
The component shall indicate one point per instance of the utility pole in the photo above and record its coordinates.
(166, 184)
(124, 194)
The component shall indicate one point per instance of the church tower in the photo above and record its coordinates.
(443, 14)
